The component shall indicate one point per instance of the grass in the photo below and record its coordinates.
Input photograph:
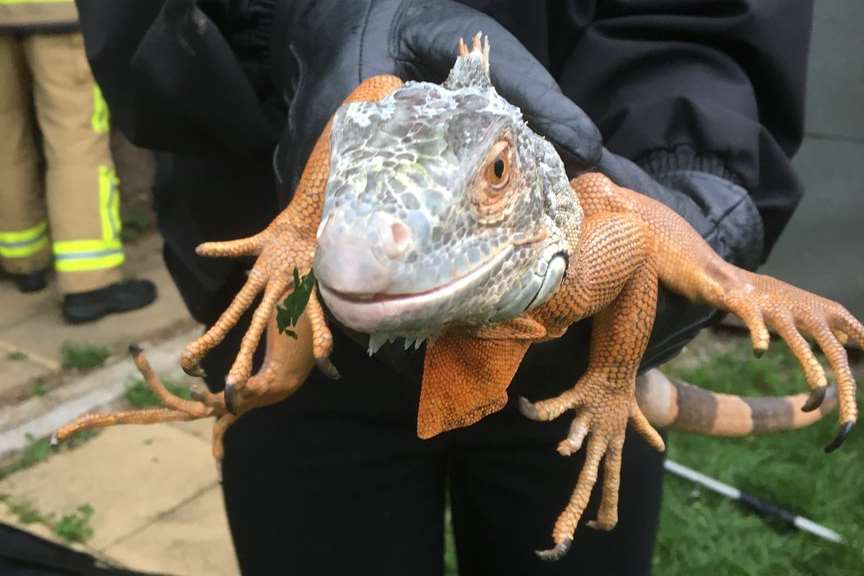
(40, 388)
(39, 449)
(73, 527)
(83, 355)
(704, 533)
(139, 395)
(16, 355)
(36, 451)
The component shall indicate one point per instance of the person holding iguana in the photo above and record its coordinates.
(339, 468)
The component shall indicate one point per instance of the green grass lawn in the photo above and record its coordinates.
(703, 533)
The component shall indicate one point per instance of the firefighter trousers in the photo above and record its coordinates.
(72, 210)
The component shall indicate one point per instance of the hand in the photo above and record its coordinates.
(320, 53)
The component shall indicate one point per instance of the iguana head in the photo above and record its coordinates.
(442, 206)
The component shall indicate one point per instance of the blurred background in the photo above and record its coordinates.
(148, 498)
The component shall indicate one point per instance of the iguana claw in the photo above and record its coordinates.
(814, 401)
(838, 440)
(556, 553)
(526, 407)
(327, 368)
(230, 398)
(195, 371)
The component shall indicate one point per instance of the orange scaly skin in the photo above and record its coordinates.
(288, 243)
(626, 245)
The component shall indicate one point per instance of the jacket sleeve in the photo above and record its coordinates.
(702, 87)
(172, 80)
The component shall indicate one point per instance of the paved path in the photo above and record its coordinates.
(154, 490)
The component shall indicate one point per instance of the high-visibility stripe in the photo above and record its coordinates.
(73, 247)
(88, 261)
(83, 255)
(101, 119)
(109, 204)
(23, 243)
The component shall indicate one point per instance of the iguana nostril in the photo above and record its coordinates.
(400, 236)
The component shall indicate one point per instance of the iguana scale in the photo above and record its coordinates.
(434, 211)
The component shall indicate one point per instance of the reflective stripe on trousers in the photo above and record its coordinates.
(106, 252)
(23, 243)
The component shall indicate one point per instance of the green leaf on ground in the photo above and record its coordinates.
(83, 355)
(75, 527)
(289, 312)
(24, 510)
(139, 395)
(40, 388)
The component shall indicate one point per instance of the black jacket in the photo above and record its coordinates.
(709, 85)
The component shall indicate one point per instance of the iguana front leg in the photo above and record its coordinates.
(686, 264)
(288, 243)
(613, 276)
(286, 366)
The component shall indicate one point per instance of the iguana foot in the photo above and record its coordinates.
(281, 250)
(204, 404)
(603, 408)
(763, 302)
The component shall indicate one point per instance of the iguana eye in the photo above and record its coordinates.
(491, 189)
(498, 170)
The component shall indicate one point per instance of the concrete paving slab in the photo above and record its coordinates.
(130, 475)
(821, 250)
(191, 540)
(45, 333)
(201, 429)
(835, 86)
(40, 416)
(18, 377)
(16, 307)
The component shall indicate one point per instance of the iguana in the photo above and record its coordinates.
(435, 212)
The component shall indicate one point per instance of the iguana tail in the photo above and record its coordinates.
(681, 406)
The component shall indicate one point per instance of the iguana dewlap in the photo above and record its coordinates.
(436, 212)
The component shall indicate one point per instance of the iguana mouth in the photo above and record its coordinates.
(370, 312)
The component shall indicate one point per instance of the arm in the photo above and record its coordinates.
(700, 107)
(161, 66)
(710, 88)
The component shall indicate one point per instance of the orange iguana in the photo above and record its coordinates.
(433, 211)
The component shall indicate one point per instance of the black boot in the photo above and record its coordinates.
(32, 282)
(119, 297)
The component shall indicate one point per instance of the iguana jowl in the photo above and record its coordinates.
(435, 212)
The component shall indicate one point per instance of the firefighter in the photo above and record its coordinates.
(45, 81)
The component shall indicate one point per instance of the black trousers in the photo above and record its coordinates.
(335, 481)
